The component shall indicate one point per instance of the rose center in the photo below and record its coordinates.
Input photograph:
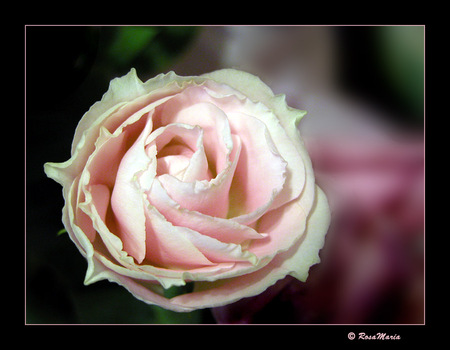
(174, 158)
(180, 152)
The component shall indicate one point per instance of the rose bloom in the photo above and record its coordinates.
(201, 179)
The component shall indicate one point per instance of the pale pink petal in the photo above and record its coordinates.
(73, 224)
(126, 198)
(98, 197)
(303, 254)
(198, 168)
(101, 196)
(174, 165)
(168, 246)
(284, 225)
(217, 251)
(260, 172)
(103, 163)
(224, 230)
(112, 242)
(81, 219)
(101, 168)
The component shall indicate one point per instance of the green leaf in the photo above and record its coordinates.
(62, 231)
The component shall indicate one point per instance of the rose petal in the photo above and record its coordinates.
(217, 251)
(298, 259)
(173, 165)
(101, 167)
(126, 198)
(169, 246)
(73, 224)
(249, 190)
(112, 242)
(283, 226)
(224, 230)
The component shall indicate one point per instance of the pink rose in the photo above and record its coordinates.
(192, 179)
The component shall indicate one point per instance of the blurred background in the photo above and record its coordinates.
(363, 88)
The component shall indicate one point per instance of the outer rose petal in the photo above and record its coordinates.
(305, 253)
